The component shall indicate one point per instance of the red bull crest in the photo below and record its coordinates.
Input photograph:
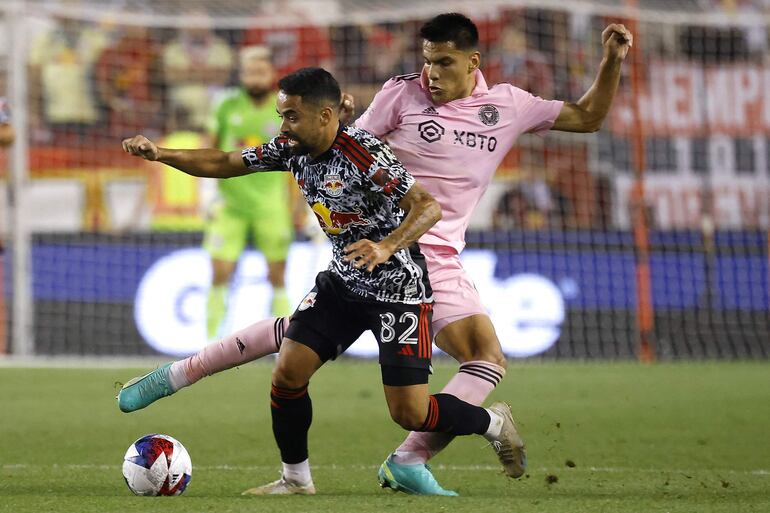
(333, 185)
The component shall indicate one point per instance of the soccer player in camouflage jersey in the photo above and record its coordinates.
(373, 212)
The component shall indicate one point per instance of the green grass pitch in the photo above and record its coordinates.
(602, 437)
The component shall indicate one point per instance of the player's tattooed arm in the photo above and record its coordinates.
(209, 163)
(422, 212)
(587, 115)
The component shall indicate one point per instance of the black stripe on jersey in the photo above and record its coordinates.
(408, 76)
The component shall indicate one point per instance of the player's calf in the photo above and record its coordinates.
(448, 414)
(409, 416)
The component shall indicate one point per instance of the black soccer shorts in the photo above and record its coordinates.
(331, 318)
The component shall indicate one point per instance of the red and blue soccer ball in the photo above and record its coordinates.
(157, 465)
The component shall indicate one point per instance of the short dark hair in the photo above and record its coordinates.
(451, 27)
(312, 84)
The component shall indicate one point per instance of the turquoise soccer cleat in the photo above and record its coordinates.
(143, 391)
(412, 479)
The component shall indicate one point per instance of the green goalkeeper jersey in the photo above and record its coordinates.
(238, 123)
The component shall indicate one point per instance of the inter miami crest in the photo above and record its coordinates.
(489, 115)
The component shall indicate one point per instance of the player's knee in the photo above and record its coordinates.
(285, 377)
(488, 351)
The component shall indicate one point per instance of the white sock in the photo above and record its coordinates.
(495, 425)
(177, 377)
(297, 473)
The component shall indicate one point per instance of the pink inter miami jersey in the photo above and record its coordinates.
(454, 149)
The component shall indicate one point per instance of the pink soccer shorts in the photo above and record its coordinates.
(454, 294)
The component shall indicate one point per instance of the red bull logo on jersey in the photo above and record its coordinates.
(333, 185)
(334, 222)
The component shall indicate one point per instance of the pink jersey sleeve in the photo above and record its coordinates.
(384, 113)
(536, 115)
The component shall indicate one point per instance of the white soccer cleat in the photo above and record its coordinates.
(282, 487)
(509, 446)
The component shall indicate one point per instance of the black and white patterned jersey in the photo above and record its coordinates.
(5, 111)
(354, 189)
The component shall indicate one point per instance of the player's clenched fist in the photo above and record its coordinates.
(141, 146)
(347, 108)
(617, 40)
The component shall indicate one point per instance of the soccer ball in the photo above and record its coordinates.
(157, 465)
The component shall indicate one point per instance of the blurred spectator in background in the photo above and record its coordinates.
(531, 204)
(515, 62)
(256, 206)
(512, 210)
(293, 47)
(63, 103)
(196, 64)
(389, 47)
(174, 198)
(6, 130)
(127, 79)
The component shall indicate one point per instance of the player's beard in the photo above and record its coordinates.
(299, 148)
(258, 94)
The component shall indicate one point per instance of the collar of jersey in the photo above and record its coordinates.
(480, 89)
(328, 153)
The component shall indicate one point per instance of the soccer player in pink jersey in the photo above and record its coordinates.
(451, 131)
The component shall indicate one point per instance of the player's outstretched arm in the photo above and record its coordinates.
(587, 115)
(209, 163)
(422, 212)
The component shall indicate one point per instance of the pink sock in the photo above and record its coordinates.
(473, 384)
(260, 339)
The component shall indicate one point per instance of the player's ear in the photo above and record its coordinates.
(327, 114)
(474, 61)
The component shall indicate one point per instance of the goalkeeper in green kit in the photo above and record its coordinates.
(257, 205)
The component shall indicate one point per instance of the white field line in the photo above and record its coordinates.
(460, 468)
